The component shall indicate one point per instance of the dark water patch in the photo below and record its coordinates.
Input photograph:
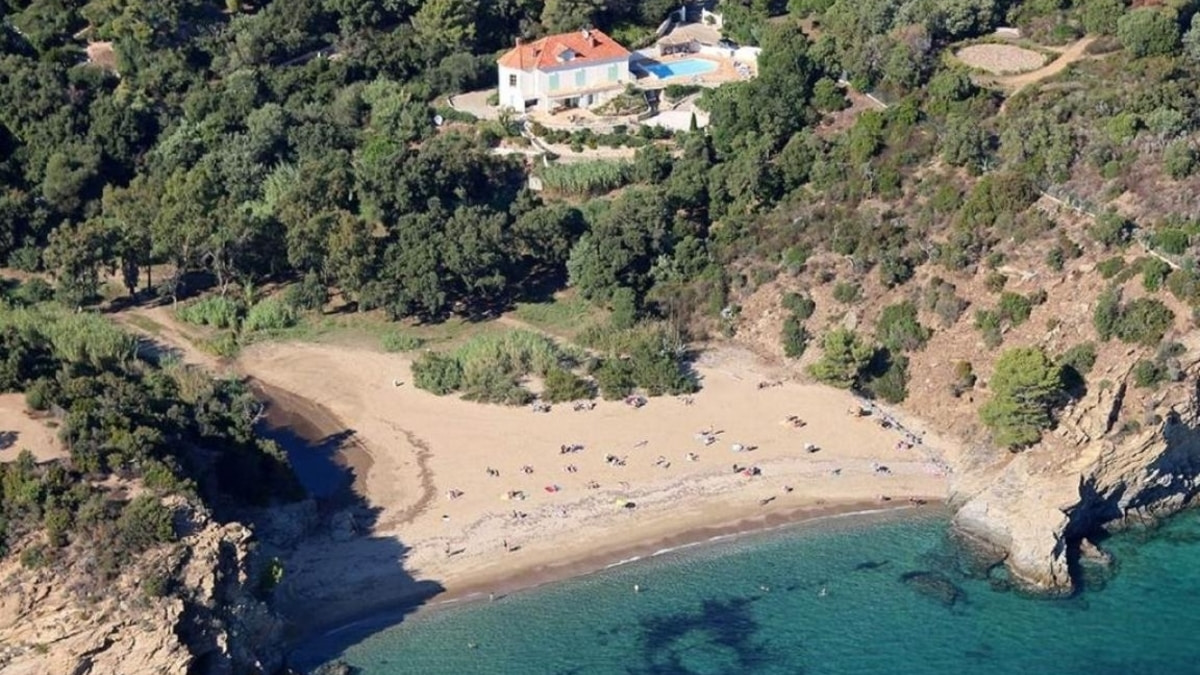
(312, 437)
(869, 565)
(720, 633)
(934, 585)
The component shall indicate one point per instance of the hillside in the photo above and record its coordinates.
(1003, 246)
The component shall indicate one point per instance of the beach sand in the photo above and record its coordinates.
(20, 431)
(409, 449)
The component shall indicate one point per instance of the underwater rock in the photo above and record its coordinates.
(934, 585)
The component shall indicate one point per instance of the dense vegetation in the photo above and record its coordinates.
(228, 143)
(176, 430)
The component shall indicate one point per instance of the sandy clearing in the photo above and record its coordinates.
(422, 446)
(19, 431)
(1000, 59)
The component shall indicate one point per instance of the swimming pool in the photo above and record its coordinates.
(680, 68)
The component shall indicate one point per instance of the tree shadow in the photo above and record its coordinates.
(8, 439)
(154, 351)
(341, 584)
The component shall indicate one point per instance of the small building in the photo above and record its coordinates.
(678, 44)
(571, 70)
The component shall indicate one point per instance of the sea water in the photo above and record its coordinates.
(849, 596)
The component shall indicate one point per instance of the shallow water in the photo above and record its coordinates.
(830, 598)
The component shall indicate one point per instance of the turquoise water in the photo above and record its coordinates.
(819, 599)
(680, 68)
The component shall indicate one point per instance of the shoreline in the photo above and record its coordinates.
(417, 523)
(367, 617)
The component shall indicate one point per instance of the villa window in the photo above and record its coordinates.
(512, 80)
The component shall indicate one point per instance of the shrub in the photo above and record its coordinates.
(799, 304)
(794, 337)
(437, 373)
(395, 341)
(1184, 284)
(269, 577)
(941, 299)
(1144, 321)
(1154, 273)
(1111, 267)
(1147, 373)
(33, 291)
(1014, 308)
(843, 358)
(886, 377)
(995, 282)
(1148, 32)
(898, 328)
(309, 294)
(624, 308)
(269, 314)
(40, 394)
(1170, 240)
(1081, 358)
(615, 378)
(964, 378)
(143, 523)
(217, 311)
(846, 293)
(988, 323)
(794, 258)
(1025, 386)
(1180, 160)
(1107, 314)
(563, 385)
(1055, 258)
(657, 367)
(1111, 229)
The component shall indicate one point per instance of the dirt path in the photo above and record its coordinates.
(162, 333)
(1073, 53)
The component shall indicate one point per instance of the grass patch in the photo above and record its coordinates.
(565, 316)
(145, 323)
(396, 341)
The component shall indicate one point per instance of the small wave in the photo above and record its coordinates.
(624, 561)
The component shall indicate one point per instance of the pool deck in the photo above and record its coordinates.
(725, 71)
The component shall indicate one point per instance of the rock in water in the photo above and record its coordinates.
(934, 585)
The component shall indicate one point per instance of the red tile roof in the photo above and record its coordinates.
(592, 45)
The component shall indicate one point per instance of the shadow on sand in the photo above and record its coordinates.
(326, 560)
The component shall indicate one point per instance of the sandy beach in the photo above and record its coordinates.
(468, 498)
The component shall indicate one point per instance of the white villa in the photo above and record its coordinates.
(580, 69)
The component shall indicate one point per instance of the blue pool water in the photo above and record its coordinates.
(680, 68)
(851, 598)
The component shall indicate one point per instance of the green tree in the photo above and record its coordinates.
(447, 25)
(1101, 16)
(1180, 159)
(794, 337)
(564, 16)
(75, 255)
(898, 328)
(843, 359)
(1026, 385)
(1148, 32)
(1191, 39)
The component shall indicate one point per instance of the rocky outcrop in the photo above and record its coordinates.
(1090, 475)
(53, 619)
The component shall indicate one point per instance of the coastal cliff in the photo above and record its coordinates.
(1038, 509)
(57, 619)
